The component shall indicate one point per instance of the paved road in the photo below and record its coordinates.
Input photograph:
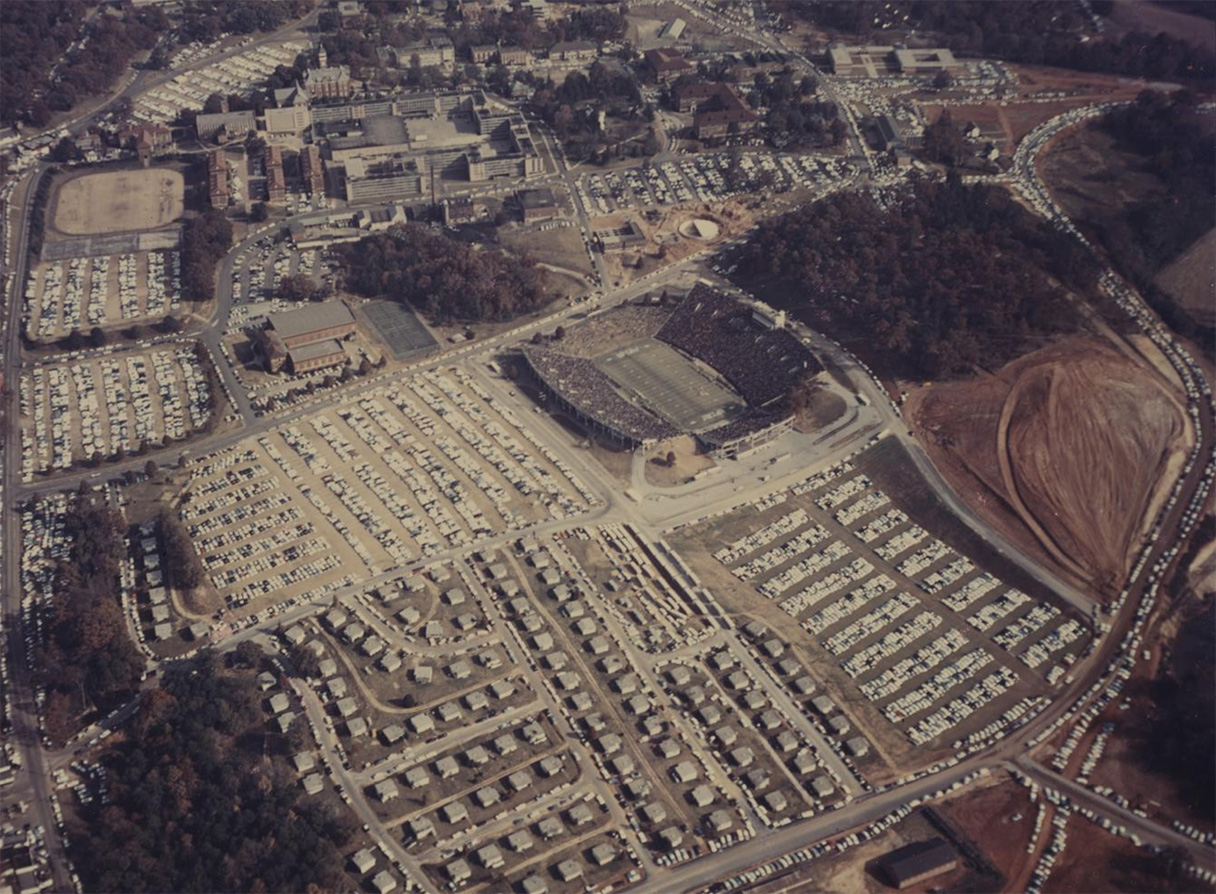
(32, 782)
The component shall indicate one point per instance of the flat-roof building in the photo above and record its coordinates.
(314, 323)
(914, 863)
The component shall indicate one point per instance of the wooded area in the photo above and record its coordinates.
(194, 804)
(87, 659)
(448, 280)
(1143, 237)
(41, 72)
(205, 241)
(947, 278)
(1033, 32)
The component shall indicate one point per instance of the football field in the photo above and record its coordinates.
(668, 383)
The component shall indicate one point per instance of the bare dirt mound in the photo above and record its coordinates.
(1067, 448)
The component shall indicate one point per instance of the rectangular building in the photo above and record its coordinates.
(667, 64)
(330, 83)
(722, 114)
(276, 181)
(318, 355)
(226, 125)
(537, 204)
(312, 171)
(218, 191)
(574, 51)
(914, 863)
(313, 323)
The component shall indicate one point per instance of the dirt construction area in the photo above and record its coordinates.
(115, 201)
(1067, 447)
(1191, 281)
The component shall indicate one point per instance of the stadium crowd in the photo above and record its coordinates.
(577, 382)
(760, 363)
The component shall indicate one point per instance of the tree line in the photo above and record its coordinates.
(947, 278)
(446, 279)
(205, 241)
(195, 806)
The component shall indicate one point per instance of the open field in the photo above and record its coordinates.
(1155, 17)
(1095, 860)
(1191, 281)
(114, 201)
(1049, 441)
(1092, 178)
(557, 246)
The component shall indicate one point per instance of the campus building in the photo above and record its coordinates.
(311, 170)
(313, 323)
(225, 126)
(218, 190)
(330, 83)
(276, 180)
(876, 61)
(667, 64)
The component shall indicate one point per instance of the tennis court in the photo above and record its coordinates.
(666, 382)
(400, 329)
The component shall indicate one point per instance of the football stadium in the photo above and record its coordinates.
(706, 364)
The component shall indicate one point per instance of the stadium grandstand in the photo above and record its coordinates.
(640, 374)
(581, 388)
(720, 331)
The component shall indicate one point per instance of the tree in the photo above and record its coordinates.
(305, 661)
(443, 277)
(97, 338)
(259, 212)
(559, 333)
(944, 142)
(671, 458)
(150, 468)
(181, 558)
(802, 393)
(299, 287)
(247, 654)
(942, 80)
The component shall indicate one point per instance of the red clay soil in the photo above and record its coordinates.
(1095, 860)
(1063, 450)
(986, 817)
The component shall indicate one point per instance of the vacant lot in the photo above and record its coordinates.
(114, 201)
(558, 247)
(1067, 448)
(1190, 280)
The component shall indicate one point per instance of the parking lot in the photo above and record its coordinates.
(938, 646)
(236, 74)
(404, 473)
(82, 293)
(88, 410)
(708, 178)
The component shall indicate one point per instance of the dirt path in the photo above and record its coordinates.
(1011, 485)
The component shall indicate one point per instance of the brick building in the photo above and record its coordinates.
(312, 171)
